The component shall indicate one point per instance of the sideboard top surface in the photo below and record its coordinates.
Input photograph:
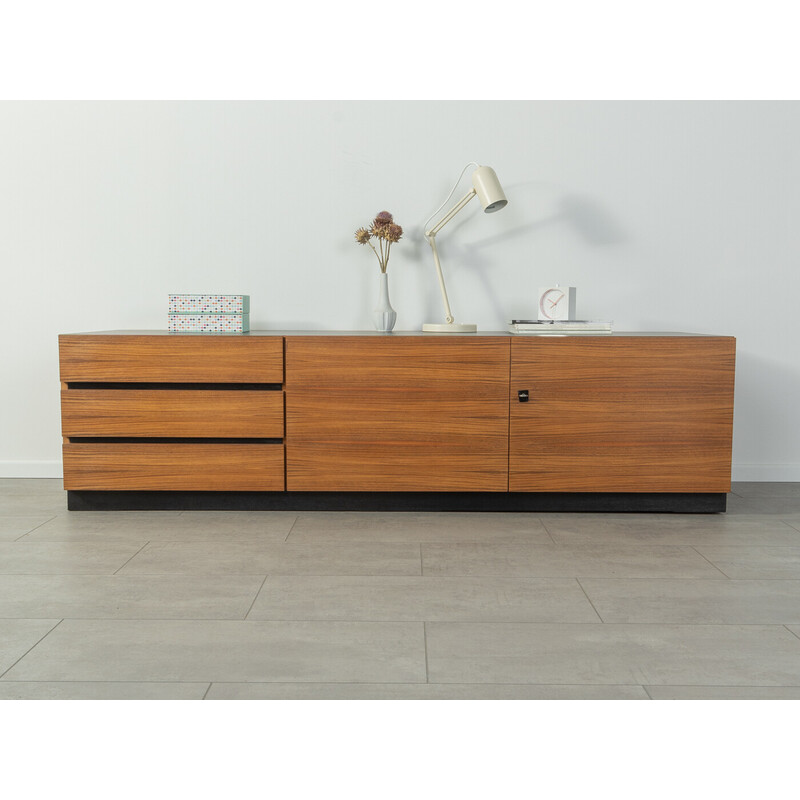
(394, 334)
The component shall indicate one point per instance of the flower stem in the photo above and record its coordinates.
(374, 251)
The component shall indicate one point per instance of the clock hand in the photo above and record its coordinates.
(554, 302)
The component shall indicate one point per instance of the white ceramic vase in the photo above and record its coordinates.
(384, 315)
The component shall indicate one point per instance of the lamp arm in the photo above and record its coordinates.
(430, 235)
(451, 213)
(448, 314)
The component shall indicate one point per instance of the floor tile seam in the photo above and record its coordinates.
(425, 645)
(722, 685)
(131, 558)
(619, 619)
(272, 574)
(406, 541)
(547, 530)
(217, 619)
(796, 635)
(291, 528)
(410, 620)
(255, 597)
(599, 623)
(747, 547)
(589, 600)
(443, 621)
(383, 683)
(425, 621)
(237, 618)
(616, 685)
(580, 576)
(62, 574)
(90, 680)
(719, 569)
(590, 540)
(776, 625)
(452, 578)
(38, 641)
(137, 575)
(34, 529)
(101, 539)
(442, 683)
(356, 620)
(718, 581)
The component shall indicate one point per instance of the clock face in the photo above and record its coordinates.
(553, 304)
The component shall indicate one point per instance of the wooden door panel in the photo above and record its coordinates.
(397, 413)
(627, 414)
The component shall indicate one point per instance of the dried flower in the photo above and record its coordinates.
(384, 229)
(392, 233)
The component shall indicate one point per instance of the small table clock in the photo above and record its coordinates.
(557, 302)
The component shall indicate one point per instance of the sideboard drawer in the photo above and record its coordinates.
(178, 466)
(180, 358)
(173, 413)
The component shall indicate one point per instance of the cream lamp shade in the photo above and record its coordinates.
(489, 191)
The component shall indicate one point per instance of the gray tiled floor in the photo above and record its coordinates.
(283, 605)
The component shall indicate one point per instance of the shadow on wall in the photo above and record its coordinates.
(580, 214)
(763, 390)
(583, 216)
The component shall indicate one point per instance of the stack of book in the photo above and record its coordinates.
(209, 313)
(559, 326)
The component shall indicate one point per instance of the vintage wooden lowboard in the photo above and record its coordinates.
(486, 421)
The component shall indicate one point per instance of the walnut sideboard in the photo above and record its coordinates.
(313, 420)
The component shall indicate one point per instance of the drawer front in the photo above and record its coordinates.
(171, 359)
(173, 466)
(196, 413)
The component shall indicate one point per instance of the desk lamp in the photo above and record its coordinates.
(490, 193)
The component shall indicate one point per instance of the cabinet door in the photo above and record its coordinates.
(621, 414)
(397, 413)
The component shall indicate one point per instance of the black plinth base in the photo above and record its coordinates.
(632, 502)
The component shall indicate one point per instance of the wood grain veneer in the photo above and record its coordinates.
(175, 413)
(397, 414)
(649, 414)
(172, 359)
(173, 466)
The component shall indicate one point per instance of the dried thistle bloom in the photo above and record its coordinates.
(384, 229)
(392, 233)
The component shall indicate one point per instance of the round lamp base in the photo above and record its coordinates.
(451, 327)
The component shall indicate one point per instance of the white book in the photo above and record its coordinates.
(560, 332)
(559, 326)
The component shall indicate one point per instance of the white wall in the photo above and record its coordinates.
(666, 216)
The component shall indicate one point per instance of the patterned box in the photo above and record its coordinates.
(208, 323)
(209, 304)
